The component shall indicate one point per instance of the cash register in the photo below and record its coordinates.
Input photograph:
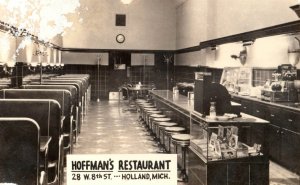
(206, 91)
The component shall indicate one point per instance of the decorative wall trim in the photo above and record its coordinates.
(188, 50)
(87, 50)
(286, 28)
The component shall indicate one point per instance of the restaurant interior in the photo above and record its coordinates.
(215, 82)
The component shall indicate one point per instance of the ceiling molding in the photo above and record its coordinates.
(286, 28)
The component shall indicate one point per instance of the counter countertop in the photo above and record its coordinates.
(245, 118)
(180, 101)
(187, 106)
(287, 105)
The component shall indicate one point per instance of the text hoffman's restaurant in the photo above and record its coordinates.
(213, 83)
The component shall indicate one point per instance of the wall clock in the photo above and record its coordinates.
(120, 38)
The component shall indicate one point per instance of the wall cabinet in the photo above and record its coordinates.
(283, 132)
(247, 106)
(284, 147)
(273, 136)
(290, 150)
(260, 110)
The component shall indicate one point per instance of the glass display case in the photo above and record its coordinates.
(224, 146)
(237, 79)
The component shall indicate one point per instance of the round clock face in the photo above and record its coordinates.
(120, 38)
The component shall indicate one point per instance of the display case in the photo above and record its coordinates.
(228, 150)
(237, 79)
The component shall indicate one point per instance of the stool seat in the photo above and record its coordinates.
(174, 129)
(143, 103)
(182, 141)
(146, 103)
(167, 124)
(154, 111)
(181, 137)
(140, 100)
(168, 132)
(157, 116)
(161, 119)
(149, 108)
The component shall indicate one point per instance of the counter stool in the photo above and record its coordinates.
(148, 105)
(151, 117)
(155, 123)
(145, 111)
(144, 105)
(140, 100)
(161, 133)
(168, 132)
(156, 139)
(141, 107)
(183, 141)
(147, 116)
(139, 104)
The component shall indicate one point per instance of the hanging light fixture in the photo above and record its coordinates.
(248, 42)
(213, 48)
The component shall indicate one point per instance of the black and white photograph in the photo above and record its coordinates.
(139, 91)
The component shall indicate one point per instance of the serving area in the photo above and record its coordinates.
(217, 85)
(203, 162)
(283, 132)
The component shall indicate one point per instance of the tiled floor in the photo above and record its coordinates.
(108, 129)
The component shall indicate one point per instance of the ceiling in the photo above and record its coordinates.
(179, 2)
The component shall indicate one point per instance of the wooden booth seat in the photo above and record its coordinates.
(62, 96)
(74, 106)
(51, 83)
(20, 150)
(47, 114)
(62, 81)
(70, 88)
(79, 99)
(81, 84)
(85, 82)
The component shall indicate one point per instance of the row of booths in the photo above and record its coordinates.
(39, 123)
